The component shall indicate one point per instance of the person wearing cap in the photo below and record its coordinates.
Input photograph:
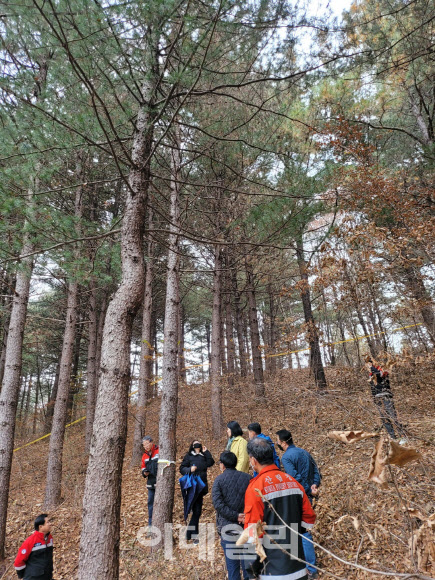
(149, 471)
(197, 460)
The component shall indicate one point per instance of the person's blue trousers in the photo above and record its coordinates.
(151, 494)
(232, 560)
(310, 554)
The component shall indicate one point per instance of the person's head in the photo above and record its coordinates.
(195, 446)
(284, 439)
(228, 460)
(147, 443)
(260, 453)
(234, 429)
(254, 429)
(43, 524)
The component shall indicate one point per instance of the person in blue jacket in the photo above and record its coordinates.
(298, 463)
(254, 430)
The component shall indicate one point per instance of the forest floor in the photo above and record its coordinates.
(357, 520)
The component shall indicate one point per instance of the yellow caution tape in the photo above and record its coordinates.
(266, 356)
(48, 434)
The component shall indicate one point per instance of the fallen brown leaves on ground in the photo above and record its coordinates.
(356, 519)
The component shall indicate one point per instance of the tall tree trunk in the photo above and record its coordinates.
(164, 499)
(12, 370)
(231, 355)
(8, 286)
(146, 358)
(91, 366)
(272, 330)
(215, 367)
(312, 332)
(53, 485)
(52, 400)
(257, 360)
(239, 326)
(208, 341)
(99, 546)
(223, 355)
(181, 359)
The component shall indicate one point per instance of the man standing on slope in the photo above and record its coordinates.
(35, 557)
(254, 430)
(273, 497)
(298, 463)
(149, 470)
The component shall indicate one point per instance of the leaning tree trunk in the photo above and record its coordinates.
(12, 370)
(145, 366)
(312, 332)
(257, 361)
(99, 546)
(215, 365)
(53, 485)
(164, 500)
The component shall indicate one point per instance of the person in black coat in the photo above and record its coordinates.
(197, 460)
(228, 495)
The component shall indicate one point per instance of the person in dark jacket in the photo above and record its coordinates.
(149, 471)
(298, 463)
(254, 430)
(383, 398)
(35, 557)
(197, 460)
(228, 495)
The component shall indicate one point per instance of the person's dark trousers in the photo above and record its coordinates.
(151, 494)
(194, 520)
(232, 560)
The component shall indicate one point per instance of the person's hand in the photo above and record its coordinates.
(193, 468)
(241, 518)
(314, 489)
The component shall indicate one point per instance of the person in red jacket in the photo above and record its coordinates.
(35, 557)
(149, 471)
(273, 497)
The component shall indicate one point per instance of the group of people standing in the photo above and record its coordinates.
(271, 495)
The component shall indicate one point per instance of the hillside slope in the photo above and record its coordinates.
(357, 520)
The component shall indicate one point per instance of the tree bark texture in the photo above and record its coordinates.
(239, 326)
(12, 371)
(146, 355)
(164, 500)
(312, 332)
(257, 361)
(91, 366)
(215, 366)
(99, 547)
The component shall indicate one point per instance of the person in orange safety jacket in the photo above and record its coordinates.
(275, 491)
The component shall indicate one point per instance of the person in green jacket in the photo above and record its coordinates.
(237, 445)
